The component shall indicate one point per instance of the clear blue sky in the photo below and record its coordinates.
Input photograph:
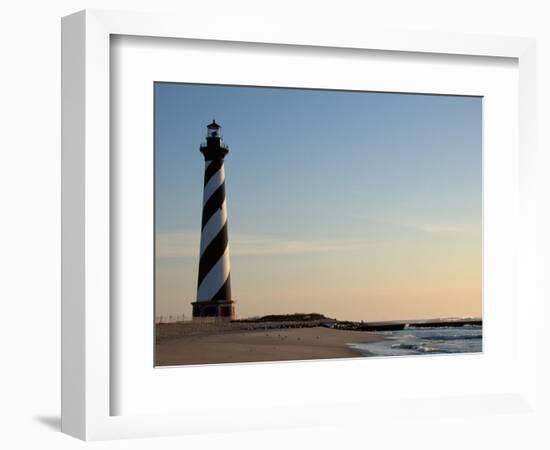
(317, 180)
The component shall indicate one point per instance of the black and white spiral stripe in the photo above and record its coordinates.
(214, 280)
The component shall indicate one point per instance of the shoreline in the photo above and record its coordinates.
(217, 345)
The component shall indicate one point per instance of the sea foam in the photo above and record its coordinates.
(422, 341)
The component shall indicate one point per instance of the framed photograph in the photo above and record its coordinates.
(357, 224)
(251, 219)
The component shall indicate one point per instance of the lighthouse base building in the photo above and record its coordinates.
(214, 281)
(224, 309)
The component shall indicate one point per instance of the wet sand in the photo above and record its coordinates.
(253, 346)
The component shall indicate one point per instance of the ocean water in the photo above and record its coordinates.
(424, 341)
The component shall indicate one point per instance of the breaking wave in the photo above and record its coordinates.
(422, 341)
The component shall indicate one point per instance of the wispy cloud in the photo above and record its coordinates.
(400, 223)
(184, 243)
(437, 227)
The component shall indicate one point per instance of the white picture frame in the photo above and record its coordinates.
(87, 328)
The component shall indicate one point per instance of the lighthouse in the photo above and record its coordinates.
(214, 282)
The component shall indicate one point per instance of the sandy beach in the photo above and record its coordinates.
(233, 346)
